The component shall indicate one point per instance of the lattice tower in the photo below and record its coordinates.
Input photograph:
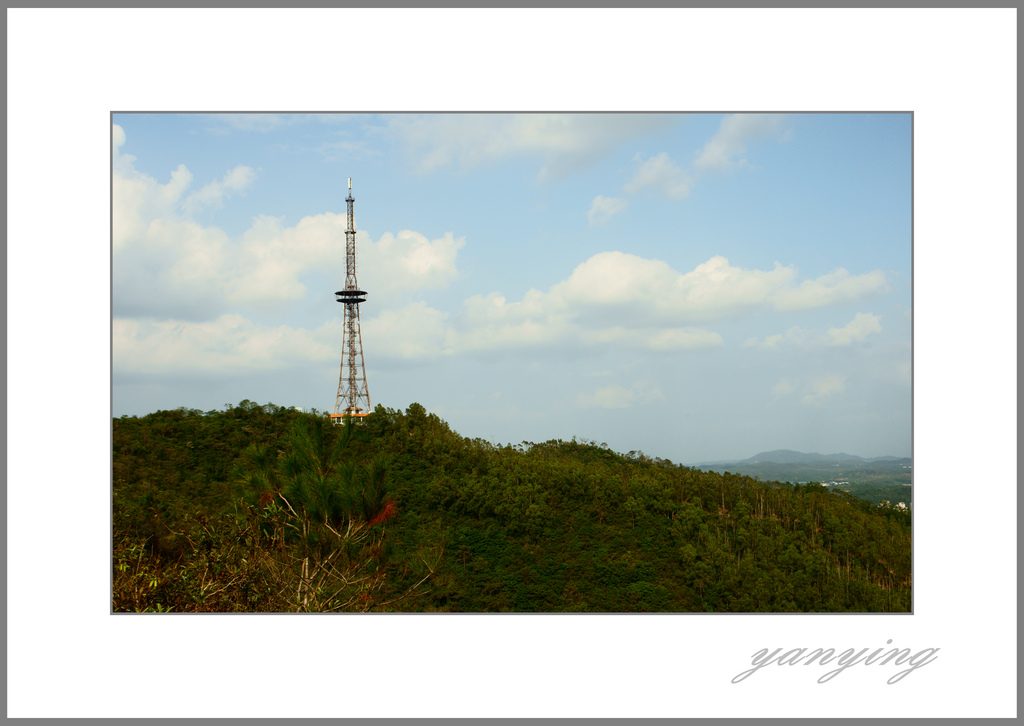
(353, 395)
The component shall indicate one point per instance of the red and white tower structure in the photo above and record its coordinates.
(353, 398)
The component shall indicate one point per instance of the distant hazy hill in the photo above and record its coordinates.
(877, 479)
(786, 456)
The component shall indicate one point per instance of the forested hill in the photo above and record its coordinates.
(263, 508)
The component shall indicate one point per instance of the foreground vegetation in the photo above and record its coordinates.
(262, 508)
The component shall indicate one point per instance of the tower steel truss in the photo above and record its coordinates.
(353, 395)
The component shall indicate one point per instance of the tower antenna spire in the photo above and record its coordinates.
(353, 399)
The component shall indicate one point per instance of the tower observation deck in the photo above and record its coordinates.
(353, 399)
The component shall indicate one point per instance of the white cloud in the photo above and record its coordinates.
(834, 288)
(608, 397)
(122, 163)
(345, 150)
(261, 122)
(734, 133)
(615, 298)
(181, 179)
(227, 345)
(812, 392)
(177, 271)
(139, 198)
(822, 389)
(783, 388)
(618, 299)
(656, 340)
(616, 396)
(563, 142)
(413, 332)
(409, 261)
(264, 122)
(862, 325)
(166, 265)
(663, 176)
(660, 175)
(486, 323)
(236, 181)
(714, 289)
(233, 344)
(793, 336)
(602, 209)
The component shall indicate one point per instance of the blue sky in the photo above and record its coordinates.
(694, 286)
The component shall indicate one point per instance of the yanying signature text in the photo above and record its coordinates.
(896, 657)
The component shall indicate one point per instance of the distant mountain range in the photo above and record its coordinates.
(787, 456)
